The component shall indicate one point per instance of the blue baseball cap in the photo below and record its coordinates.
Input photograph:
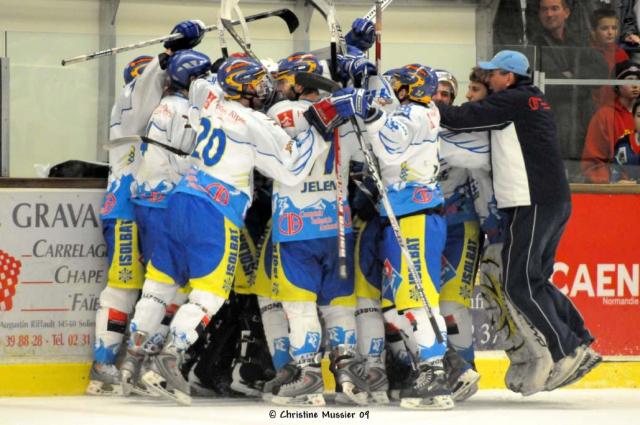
(508, 60)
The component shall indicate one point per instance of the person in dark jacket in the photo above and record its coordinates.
(531, 187)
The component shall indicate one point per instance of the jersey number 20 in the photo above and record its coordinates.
(210, 144)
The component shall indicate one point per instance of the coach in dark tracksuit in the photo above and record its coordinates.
(531, 188)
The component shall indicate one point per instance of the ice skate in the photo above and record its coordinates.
(565, 368)
(429, 391)
(304, 390)
(591, 360)
(351, 377)
(284, 376)
(104, 379)
(242, 385)
(165, 378)
(378, 384)
(132, 364)
(461, 377)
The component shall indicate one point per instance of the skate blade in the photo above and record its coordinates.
(379, 397)
(246, 390)
(441, 402)
(100, 388)
(350, 396)
(466, 381)
(305, 400)
(467, 394)
(141, 390)
(126, 384)
(156, 383)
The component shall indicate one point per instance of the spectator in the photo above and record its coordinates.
(560, 58)
(627, 153)
(610, 123)
(605, 29)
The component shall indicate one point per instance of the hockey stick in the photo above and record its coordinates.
(143, 139)
(285, 14)
(328, 10)
(378, 9)
(328, 85)
(320, 6)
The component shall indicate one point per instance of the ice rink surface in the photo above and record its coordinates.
(491, 407)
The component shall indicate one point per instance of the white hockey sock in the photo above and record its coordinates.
(151, 308)
(370, 328)
(116, 305)
(429, 348)
(401, 323)
(305, 331)
(156, 341)
(193, 317)
(459, 328)
(276, 331)
(340, 323)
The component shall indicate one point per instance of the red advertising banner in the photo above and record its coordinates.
(597, 265)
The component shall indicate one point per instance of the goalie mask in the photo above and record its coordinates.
(246, 78)
(420, 82)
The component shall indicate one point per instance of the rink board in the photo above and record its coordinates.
(23, 380)
(47, 315)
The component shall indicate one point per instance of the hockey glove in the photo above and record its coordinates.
(350, 102)
(354, 68)
(192, 32)
(323, 116)
(362, 34)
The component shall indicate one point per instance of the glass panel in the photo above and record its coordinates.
(52, 108)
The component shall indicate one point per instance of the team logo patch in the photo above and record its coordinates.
(286, 119)
(109, 203)
(290, 224)
(422, 195)
(218, 193)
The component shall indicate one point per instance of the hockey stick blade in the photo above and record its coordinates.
(286, 15)
(143, 139)
(316, 81)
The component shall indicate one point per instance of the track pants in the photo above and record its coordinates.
(533, 235)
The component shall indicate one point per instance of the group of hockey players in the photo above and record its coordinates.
(227, 244)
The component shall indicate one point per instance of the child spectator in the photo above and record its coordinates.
(605, 28)
(627, 153)
(610, 123)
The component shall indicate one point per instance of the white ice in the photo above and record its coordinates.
(491, 407)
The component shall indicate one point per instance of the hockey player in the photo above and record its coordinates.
(405, 143)
(159, 172)
(461, 253)
(305, 273)
(201, 248)
(129, 117)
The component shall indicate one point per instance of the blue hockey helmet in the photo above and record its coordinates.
(421, 82)
(244, 77)
(185, 64)
(297, 62)
(135, 67)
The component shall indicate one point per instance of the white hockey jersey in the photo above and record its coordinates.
(160, 170)
(467, 182)
(129, 117)
(231, 141)
(405, 142)
(308, 210)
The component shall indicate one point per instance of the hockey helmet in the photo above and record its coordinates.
(135, 67)
(421, 82)
(185, 64)
(295, 63)
(445, 76)
(244, 77)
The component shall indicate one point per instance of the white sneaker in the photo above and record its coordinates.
(565, 368)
